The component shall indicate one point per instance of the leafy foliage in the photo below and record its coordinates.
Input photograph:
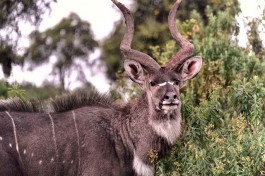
(221, 139)
(28, 91)
(7, 57)
(223, 107)
(69, 40)
(11, 91)
(28, 10)
(253, 36)
(11, 13)
(44, 92)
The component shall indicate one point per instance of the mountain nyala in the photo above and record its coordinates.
(88, 134)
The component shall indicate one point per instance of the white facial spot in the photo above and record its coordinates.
(171, 83)
(10, 145)
(165, 83)
(24, 151)
(162, 84)
(40, 162)
(52, 159)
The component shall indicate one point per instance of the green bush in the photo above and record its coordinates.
(10, 91)
(223, 108)
(221, 139)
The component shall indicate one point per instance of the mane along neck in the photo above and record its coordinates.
(21, 105)
(66, 102)
(78, 99)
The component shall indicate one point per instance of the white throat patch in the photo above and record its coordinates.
(141, 168)
(169, 129)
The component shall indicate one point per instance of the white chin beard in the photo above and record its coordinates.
(169, 109)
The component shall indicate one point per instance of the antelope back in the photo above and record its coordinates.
(75, 140)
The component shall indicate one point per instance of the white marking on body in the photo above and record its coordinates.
(1, 138)
(169, 129)
(54, 141)
(40, 162)
(24, 151)
(10, 145)
(141, 168)
(15, 136)
(78, 141)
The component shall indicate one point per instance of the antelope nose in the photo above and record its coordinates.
(171, 97)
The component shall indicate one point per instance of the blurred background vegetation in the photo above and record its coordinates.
(223, 107)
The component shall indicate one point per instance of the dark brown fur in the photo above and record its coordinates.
(21, 105)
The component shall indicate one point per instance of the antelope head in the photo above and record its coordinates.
(162, 84)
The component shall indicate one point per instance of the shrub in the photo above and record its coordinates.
(223, 108)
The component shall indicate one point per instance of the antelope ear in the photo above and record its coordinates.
(134, 70)
(190, 68)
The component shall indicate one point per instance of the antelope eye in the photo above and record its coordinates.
(176, 82)
(152, 83)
